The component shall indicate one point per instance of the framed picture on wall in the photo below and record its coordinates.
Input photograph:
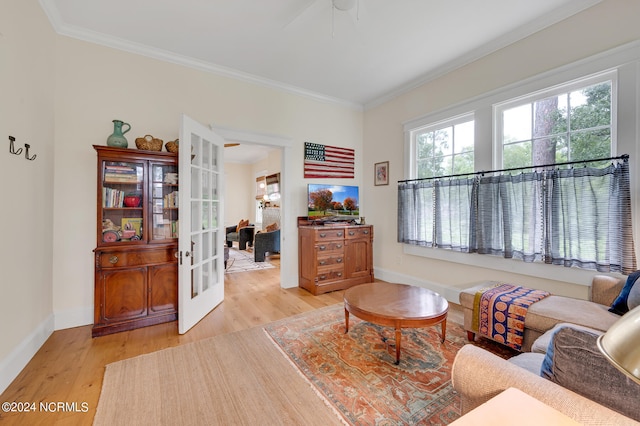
(381, 171)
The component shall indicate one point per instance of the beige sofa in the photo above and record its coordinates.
(479, 375)
(546, 313)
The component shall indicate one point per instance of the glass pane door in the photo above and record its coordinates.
(201, 270)
(122, 201)
(164, 201)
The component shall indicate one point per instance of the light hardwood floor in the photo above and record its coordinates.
(70, 365)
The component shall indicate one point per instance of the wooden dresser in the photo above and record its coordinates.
(334, 257)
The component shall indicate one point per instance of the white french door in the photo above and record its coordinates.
(201, 228)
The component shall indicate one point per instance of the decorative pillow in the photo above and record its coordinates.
(629, 296)
(272, 227)
(541, 344)
(243, 223)
(574, 362)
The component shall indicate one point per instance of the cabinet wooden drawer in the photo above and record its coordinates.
(118, 259)
(329, 246)
(328, 274)
(352, 233)
(337, 259)
(329, 234)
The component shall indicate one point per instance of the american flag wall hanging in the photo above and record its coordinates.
(321, 161)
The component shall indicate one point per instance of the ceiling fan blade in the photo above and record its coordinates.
(300, 11)
(228, 145)
(344, 5)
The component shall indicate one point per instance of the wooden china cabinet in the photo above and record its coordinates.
(136, 269)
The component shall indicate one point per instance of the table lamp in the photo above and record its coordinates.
(621, 344)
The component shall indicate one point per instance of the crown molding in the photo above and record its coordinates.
(78, 33)
(522, 32)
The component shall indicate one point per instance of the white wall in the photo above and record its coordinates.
(240, 186)
(609, 24)
(240, 191)
(96, 84)
(27, 46)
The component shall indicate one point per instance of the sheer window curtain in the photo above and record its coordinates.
(453, 204)
(591, 219)
(436, 213)
(572, 217)
(416, 216)
(510, 216)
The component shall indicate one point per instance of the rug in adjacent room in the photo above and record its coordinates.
(242, 261)
(356, 374)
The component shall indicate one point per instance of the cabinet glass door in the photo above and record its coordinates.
(164, 202)
(122, 197)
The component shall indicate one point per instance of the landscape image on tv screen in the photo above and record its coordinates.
(333, 200)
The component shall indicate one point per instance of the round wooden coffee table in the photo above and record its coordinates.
(396, 305)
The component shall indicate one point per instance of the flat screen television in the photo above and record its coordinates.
(333, 202)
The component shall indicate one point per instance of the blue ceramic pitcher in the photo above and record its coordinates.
(117, 138)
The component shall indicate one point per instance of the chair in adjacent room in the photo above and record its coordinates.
(242, 233)
(266, 242)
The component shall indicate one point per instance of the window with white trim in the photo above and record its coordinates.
(570, 122)
(444, 148)
(552, 217)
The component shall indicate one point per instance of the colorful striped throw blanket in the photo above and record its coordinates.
(499, 312)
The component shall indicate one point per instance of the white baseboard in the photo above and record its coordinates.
(452, 294)
(18, 358)
(73, 318)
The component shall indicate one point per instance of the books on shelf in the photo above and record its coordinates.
(170, 200)
(165, 229)
(121, 173)
(120, 178)
(112, 197)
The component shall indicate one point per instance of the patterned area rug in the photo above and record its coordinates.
(242, 261)
(356, 375)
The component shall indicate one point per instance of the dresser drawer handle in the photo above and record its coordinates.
(339, 274)
(322, 262)
(338, 245)
(323, 277)
(365, 232)
(322, 247)
(339, 260)
(352, 233)
(340, 234)
(113, 260)
(322, 235)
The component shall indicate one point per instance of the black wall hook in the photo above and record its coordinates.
(14, 151)
(12, 148)
(26, 153)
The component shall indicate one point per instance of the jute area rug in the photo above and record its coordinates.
(302, 370)
(242, 261)
(235, 379)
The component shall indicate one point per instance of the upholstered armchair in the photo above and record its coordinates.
(266, 242)
(243, 236)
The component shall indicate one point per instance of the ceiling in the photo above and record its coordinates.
(359, 57)
(246, 153)
(373, 51)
